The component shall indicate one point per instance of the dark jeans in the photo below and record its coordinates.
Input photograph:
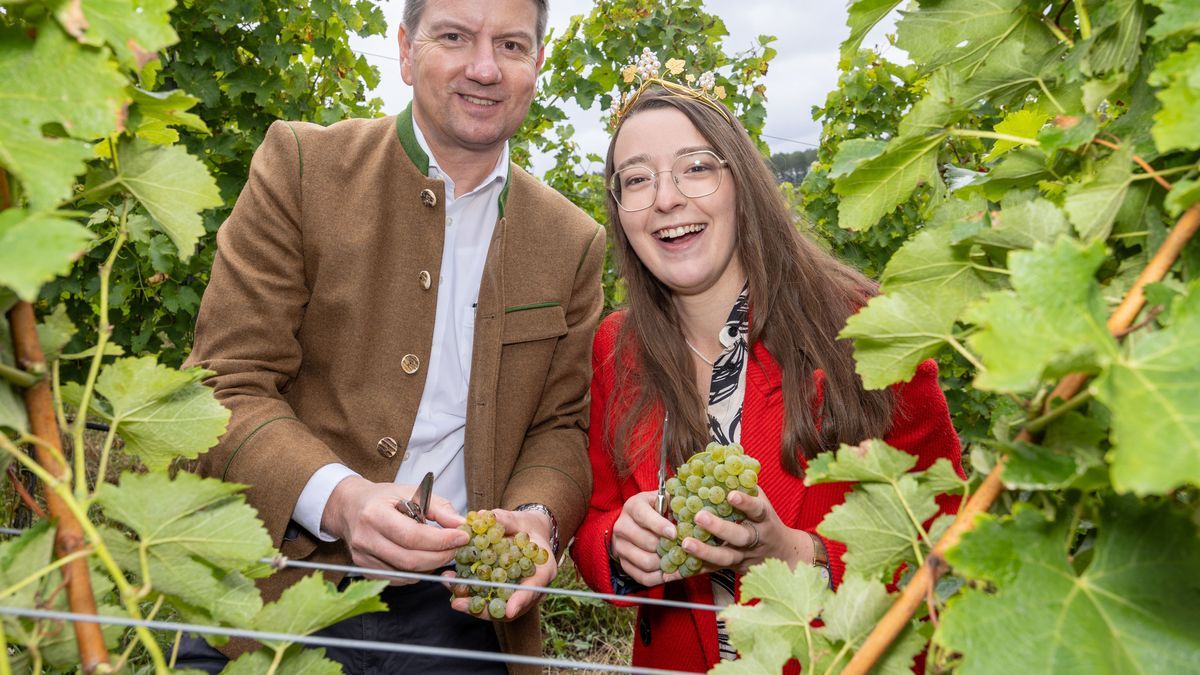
(420, 615)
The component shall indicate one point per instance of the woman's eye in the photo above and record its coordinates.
(634, 181)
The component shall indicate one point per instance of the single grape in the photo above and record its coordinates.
(716, 495)
(693, 483)
(748, 478)
(476, 605)
(496, 608)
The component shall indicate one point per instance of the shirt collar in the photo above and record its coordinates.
(498, 175)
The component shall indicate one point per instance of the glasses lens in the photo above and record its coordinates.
(633, 188)
(697, 174)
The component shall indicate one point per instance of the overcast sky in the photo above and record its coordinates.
(808, 32)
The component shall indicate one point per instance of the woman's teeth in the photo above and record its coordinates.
(675, 232)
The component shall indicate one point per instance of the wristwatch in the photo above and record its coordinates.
(821, 558)
(542, 508)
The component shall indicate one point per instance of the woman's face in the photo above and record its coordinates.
(687, 243)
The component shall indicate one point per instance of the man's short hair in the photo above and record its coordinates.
(413, 9)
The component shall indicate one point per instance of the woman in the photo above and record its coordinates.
(731, 334)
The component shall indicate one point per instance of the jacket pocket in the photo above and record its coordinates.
(539, 321)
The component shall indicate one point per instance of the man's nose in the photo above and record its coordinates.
(483, 67)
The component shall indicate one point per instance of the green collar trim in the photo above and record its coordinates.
(408, 139)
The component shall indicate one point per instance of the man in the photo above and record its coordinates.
(392, 297)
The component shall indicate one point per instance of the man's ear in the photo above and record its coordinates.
(405, 54)
(541, 58)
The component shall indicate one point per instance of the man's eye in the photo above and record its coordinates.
(452, 37)
(512, 46)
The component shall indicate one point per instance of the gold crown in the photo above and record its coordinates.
(648, 71)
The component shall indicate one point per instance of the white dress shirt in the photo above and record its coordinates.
(439, 431)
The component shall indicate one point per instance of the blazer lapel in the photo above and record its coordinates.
(485, 374)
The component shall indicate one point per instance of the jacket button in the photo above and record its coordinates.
(410, 363)
(388, 447)
(426, 280)
(428, 198)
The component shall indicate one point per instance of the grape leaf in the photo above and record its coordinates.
(1176, 126)
(1178, 16)
(881, 184)
(1031, 467)
(1153, 391)
(852, 152)
(12, 405)
(926, 285)
(313, 603)
(1024, 123)
(55, 331)
(789, 601)
(160, 111)
(870, 461)
(161, 413)
(173, 186)
(51, 81)
(1068, 133)
(1122, 613)
(863, 16)
(1117, 42)
(941, 476)
(1022, 222)
(1092, 205)
(188, 517)
(35, 248)
(1184, 194)
(960, 32)
(296, 660)
(135, 32)
(1051, 323)
(875, 525)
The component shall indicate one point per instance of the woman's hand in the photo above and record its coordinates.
(635, 537)
(760, 536)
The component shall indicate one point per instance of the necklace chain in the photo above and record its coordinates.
(697, 353)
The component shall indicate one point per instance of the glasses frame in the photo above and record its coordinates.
(615, 191)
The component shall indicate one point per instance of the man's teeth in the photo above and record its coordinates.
(479, 101)
(673, 232)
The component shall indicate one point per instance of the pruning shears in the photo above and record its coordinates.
(418, 506)
(661, 501)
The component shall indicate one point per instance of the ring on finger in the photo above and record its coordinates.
(753, 528)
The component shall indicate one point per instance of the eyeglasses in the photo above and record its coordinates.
(695, 174)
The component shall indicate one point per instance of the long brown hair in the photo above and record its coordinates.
(800, 297)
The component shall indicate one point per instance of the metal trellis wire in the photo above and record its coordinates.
(316, 641)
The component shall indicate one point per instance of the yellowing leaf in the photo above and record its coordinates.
(1024, 123)
(135, 31)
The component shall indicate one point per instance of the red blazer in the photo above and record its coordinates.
(682, 639)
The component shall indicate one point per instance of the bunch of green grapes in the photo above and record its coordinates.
(492, 556)
(703, 483)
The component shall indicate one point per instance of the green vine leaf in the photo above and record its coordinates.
(1022, 222)
(1052, 323)
(159, 111)
(161, 413)
(875, 525)
(870, 461)
(1125, 611)
(173, 186)
(881, 184)
(1178, 16)
(1153, 391)
(189, 516)
(35, 248)
(1176, 126)
(1024, 123)
(50, 81)
(313, 603)
(926, 285)
(1093, 204)
(863, 16)
(296, 660)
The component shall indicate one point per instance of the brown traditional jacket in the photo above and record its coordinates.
(318, 321)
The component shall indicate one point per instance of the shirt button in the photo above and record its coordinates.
(387, 447)
(449, 221)
(428, 198)
(426, 279)
(410, 363)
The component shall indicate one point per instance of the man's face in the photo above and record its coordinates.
(472, 65)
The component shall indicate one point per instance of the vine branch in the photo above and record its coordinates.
(913, 595)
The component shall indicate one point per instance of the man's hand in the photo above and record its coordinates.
(537, 526)
(364, 515)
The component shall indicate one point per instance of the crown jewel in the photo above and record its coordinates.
(649, 71)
